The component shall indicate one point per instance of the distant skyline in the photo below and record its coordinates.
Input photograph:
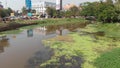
(18, 4)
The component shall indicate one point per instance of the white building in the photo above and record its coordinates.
(41, 7)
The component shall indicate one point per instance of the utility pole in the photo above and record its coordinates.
(6, 3)
(58, 7)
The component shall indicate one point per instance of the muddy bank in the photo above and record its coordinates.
(12, 26)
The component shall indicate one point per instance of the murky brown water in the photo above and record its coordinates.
(16, 51)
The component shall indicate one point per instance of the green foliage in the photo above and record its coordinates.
(74, 11)
(109, 59)
(108, 14)
(24, 11)
(68, 14)
(2, 13)
(59, 21)
(88, 9)
(5, 12)
(9, 10)
(111, 30)
(104, 11)
(51, 11)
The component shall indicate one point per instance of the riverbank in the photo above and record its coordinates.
(31, 24)
(14, 25)
(86, 45)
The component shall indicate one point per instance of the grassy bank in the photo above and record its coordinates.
(59, 21)
(86, 45)
(13, 26)
(109, 59)
(110, 29)
(44, 22)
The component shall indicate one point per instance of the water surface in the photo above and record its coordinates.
(17, 50)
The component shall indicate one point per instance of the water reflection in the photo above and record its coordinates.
(41, 31)
(70, 27)
(30, 33)
(40, 57)
(3, 43)
(58, 29)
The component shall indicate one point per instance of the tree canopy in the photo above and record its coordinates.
(103, 11)
(5, 12)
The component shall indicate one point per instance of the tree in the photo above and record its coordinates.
(51, 12)
(24, 11)
(108, 15)
(105, 11)
(9, 10)
(33, 11)
(74, 11)
(68, 14)
(90, 9)
(5, 12)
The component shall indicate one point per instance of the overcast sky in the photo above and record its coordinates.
(18, 4)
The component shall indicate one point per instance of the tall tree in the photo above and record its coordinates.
(89, 9)
(74, 11)
(104, 11)
(51, 12)
(9, 10)
(3, 13)
(24, 11)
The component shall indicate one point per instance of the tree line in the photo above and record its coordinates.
(105, 11)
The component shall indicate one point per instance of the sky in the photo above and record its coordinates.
(18, 4)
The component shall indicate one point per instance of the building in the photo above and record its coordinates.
(1, 6)
(41, 7)
(28, 4)
(58, 4)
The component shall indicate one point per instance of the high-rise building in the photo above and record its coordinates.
(41, 7)
(28, 4)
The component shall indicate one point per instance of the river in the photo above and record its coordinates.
(18, 50)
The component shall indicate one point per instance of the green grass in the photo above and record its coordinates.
(85, 46)
(59, 21)
(110, 29)
(109, 59)
(47, 22)
(82, 46)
